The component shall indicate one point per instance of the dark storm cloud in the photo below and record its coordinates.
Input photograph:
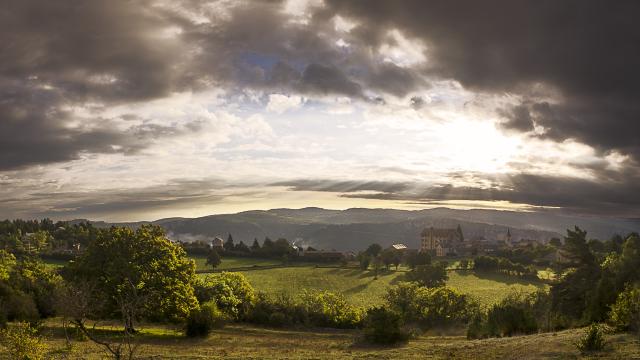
(328, 80)
(72, 53)
(394, 80)
(57, 54)
(259, 45)
(619, 195)
(33, 130)
(89, 49)
(587, 50)
(71, 204)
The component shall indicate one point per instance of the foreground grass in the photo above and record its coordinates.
(249, 342)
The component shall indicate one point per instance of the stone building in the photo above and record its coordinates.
(441, 242)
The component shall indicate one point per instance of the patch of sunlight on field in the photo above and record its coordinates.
(490, 288)
(233, 262)
(361, 289)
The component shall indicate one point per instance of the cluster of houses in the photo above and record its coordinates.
(436, 241)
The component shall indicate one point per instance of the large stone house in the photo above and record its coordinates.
(441, 242)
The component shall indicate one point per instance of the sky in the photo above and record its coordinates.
(138, 110)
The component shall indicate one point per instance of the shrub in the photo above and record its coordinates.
(232, 293)
(625, 312)
(327, 309)
(593, 340)
(265, 307)
(383, 326)
(278, 319)
(200, 322)
(476, 328)
(507, 319)
(324, 309)
(23, 342)
(516, 314)
(429, 307)
(16, 305)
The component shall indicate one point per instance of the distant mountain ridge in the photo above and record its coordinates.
(354, 229)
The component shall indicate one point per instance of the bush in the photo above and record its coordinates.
(593, 340)
(509, 319)
(625, 312)
(429, 307)
(16, 305)
(278, 319)
(23, 342)
(516, 314)
(383, 326)
(327, 309)
(323, 309)
(200, 322)
(232, 293)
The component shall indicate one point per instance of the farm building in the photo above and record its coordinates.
(217, 243)
(399, 247)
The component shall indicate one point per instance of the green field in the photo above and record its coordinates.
(250, 342)
(361, 289)
(233, 262)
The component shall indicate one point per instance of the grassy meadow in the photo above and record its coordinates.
(250, 342)
(362, 289)
(233, 262)
(359, 287)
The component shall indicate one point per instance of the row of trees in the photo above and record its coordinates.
(504, 266)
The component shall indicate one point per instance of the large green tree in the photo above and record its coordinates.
(138, 274)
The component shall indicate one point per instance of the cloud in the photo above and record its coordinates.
(328, 80)
(279, 103)
(587, 58)
(347, 186)
(615, 196)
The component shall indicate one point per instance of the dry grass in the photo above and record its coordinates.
(249, 342)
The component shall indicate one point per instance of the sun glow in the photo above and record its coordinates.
(476, 146)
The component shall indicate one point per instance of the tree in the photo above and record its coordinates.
(139, 274)
(7, 263)
(580, 274)
(242, 247)
(555, 242)
(373, 250)
(232, 293)
(459, 231)
(418, 258)
(228, 245)
(429, 275)
(387, 257)
(377, 264)
(364, 261)
(256, 245)
(213, 259)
